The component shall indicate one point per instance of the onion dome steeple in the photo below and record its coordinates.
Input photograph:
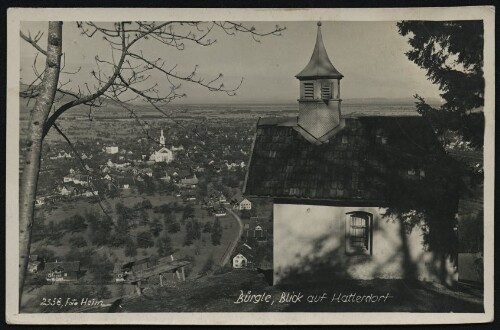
(319, 65)
(319, 101)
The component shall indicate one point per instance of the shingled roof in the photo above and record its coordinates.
(68, 266)
(358, 163)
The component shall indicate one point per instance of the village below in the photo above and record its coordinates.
(130, 207)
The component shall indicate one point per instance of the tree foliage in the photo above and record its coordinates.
(75, 224)
(207, 228)
(216, 232)
(130, 248)
(145, 239)
(164, 245)
(173, 227)
(156, 227)
(452, 54)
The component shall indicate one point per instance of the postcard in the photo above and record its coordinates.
(250, 166)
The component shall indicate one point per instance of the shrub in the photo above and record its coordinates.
(130, 249)
(164, 245)
(79, 241)
(174, 227)
(145, 240)
(216, 232)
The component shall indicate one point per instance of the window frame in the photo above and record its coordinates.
(351, 249)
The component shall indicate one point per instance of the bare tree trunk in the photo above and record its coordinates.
(33, 145)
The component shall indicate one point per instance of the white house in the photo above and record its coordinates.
(112, 150)
(188, 182)
(220, 212)
(65, 191)
(245, 204)
(179, 148)
(91, 193)
(240, 261)
(35, 263)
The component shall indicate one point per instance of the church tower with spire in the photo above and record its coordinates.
(319, 102)
(162, 139)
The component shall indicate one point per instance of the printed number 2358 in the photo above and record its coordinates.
(51, 302)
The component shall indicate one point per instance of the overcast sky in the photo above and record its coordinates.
(370, 55)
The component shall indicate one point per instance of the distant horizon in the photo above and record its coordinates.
(359, 100)
(370, 55)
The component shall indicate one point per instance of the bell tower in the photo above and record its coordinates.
(319, 102)
(162, 139)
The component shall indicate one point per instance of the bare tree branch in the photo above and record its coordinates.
(34, 42)
(129, 78)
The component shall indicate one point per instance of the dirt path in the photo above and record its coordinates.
(232, 246)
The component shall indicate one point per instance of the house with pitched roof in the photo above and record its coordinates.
(356, 195)
(254, 229)
(188, 182)
(35, 263)
(60, 271)
(243, 256)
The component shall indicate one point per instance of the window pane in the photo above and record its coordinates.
(359, 232)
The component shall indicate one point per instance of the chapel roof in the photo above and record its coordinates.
(359, 163)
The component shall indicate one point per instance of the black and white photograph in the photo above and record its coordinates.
(312, 166)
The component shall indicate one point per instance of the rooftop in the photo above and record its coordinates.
(65, 265)
(361, 162)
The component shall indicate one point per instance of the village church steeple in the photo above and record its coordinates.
(319, 102)
(162, 139)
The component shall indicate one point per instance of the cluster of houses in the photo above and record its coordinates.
(61, 155)
(70, 271)
(56, 271)
(123, 172)
(255, 232)
(217, 202)
(76, 184)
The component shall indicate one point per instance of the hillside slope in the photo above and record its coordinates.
(220, 293)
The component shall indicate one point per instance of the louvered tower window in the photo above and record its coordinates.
(326, 90)
(309, 90)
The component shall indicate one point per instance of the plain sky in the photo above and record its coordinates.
(370, 55)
